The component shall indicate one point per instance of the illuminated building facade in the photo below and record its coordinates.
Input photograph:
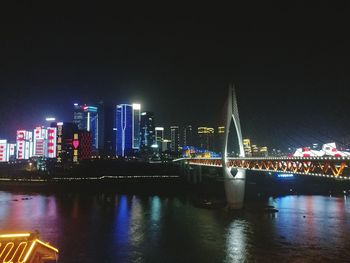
(263, 151)
(67, 142)
(136, 119)
(87, 118)
(175, 139)
(206, 137)
(159, 134)
(51, 142)
(247, 147)
(127, 129)
(147, 131)
(85, 145)
(40, 142)
(4, 151)
(188, 136)
(219, 138)
(24, 147)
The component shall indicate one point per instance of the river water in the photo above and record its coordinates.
(131, 228)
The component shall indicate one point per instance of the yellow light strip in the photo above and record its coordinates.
(47, 245)
(10, 249)
(9, 260)
(15, 235)
(29, 252)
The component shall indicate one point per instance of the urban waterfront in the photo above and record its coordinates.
(150, 228)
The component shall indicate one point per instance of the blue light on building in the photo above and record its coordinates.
(124, 125)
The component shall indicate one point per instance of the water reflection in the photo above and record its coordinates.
(236, 250)
(129, 228)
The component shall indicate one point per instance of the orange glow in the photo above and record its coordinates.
(15, 235)
(22, 247)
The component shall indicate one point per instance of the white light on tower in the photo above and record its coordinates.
(136, 106)
(50, 119)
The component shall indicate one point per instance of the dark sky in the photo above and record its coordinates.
(290, 64)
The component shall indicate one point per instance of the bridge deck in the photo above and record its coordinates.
(332, 167)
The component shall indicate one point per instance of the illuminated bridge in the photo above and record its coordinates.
(329, 167)
(234, 169)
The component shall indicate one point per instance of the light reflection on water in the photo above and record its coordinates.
(127, 228)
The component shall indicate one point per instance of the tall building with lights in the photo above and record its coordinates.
(219, 138)
(206, 137)
(159, 135)
(4, 151)
(175, 139)
(247, 147)
(24, 141)
(90, 118)
(188, 136)
(136, 119)
(147, 132)
(127, 129)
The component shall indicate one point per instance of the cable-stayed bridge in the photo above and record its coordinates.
(234, 168)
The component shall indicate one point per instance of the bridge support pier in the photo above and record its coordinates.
(234, 188)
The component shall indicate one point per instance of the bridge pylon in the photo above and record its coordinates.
(234, 184)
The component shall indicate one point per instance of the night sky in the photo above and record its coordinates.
(290, 65)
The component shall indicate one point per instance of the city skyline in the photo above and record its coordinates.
(179, 65)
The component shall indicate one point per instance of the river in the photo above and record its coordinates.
(132, 228)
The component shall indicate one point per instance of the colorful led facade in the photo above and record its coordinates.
(59, 141)
(24, 142)
(4, 151)
(51, 142)
(87, 118)
(40, 141)
(85, 146)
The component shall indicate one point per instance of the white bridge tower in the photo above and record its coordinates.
(234, 184)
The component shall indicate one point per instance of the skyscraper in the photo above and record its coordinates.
(188, 136)
(87, 118)
(206, 138)
(136, 119)
(127, 129)
(175, 139)
(147, 129)
(247, 147)
(159, 132)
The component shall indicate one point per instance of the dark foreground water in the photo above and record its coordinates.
(127, 228)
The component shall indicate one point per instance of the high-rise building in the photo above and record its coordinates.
(136, 119)
(85, 146)
(206, 137)
(67, 141)
(188, 136)
(4, 151)
(40, 142)
(255, 150)
(263, 152)
(127, 129)
(175, 139)
(24, 142)
(247, 147)
(147, 130)
(159, 134)
(219, 139)
(87, 118)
